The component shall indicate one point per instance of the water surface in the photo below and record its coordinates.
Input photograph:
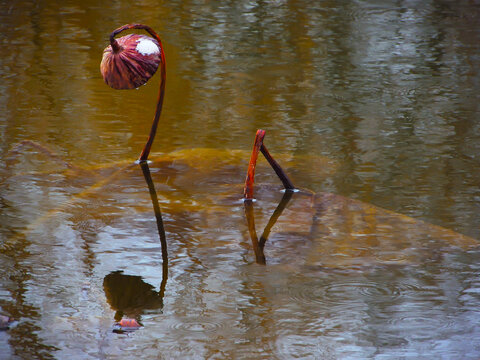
(371, 101)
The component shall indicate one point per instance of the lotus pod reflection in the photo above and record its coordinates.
(130, 61)
(130, 295)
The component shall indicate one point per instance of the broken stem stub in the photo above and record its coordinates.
(249, 181)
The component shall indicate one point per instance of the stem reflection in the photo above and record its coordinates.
(259, 244)
(129, 295)
(161, 229)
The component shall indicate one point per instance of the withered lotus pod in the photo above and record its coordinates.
(130, 61)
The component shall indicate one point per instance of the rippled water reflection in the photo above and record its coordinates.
(375, 102)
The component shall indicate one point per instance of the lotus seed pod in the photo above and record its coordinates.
(130, 62)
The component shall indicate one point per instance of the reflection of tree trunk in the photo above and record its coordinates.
(258, 245)
(161, 229)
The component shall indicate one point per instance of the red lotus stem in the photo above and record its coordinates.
(259, 146)
(248, 190)
(161, 93)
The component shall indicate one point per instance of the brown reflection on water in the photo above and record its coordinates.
(389, 90)
(318, 245)
(368, 101)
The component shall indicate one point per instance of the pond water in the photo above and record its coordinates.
(372, 109)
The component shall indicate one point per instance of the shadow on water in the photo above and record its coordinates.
(129, 295)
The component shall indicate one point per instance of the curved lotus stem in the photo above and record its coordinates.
(116, 48)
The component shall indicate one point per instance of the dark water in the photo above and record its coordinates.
(374, 102)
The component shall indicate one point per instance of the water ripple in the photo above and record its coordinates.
(302, 347)
(199, 326)
(348, 291)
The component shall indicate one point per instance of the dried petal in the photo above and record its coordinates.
(134, 62)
